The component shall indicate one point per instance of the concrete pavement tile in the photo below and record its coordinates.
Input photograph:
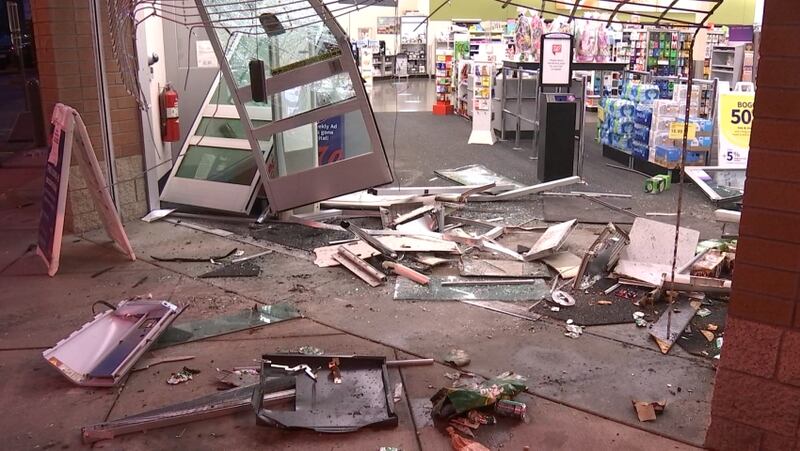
(552, 426)
(591, 373)
(147, 389)
(40, 310)
(41, 408)
(78, 256)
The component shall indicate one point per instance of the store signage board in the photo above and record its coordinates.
(330, 140)
(735, 113)
(482, 131)
(66, 122)
(205, 54)
(676, 130)
(556, 64)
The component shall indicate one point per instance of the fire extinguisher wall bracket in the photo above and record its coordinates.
(170, 115)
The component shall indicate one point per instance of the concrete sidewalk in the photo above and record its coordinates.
(579, 390)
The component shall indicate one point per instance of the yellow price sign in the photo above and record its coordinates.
(676, 130)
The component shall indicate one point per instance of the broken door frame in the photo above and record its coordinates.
(322, 182)
(216, 195)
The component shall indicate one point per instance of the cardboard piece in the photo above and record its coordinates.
(649, 254)
(325, 254)
(66, 122)
(550, 241)
(565, 263)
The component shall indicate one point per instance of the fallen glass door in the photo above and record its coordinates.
(320, 139)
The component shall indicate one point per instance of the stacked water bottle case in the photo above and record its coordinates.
(639, 122)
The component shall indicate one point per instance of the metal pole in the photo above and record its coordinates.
(503, 105)
(519, 110)
(102, 97)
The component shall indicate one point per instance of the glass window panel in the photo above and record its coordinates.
(317, 94)
(224, 128)
(218, 164)
(223, 96)
(305, 38)
(324, 142)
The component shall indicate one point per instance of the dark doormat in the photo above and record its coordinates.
(587, 311)
(298, 236)
(560, 209)
(694, 341)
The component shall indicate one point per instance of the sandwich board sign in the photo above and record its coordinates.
(66, 123)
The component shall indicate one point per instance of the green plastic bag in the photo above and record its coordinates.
(451, 401)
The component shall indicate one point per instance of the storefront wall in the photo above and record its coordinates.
(756, 402)
(66, 64)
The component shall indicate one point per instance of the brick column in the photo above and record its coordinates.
(756, 404)
(66, 63)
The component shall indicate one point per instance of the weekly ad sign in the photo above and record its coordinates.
(735, 123)
(330, 140)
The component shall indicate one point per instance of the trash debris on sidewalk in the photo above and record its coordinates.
(572, 330)
(460, 443)
(105, 349)
(240, 377)
(184, 375)
(452, 401)
(513, 409)
(647, 410)
(457, 357)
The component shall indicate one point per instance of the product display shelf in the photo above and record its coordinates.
(727, 62)
(462, 91)
(414, 44)
(668, 52)
(716, 37)
(444, 81)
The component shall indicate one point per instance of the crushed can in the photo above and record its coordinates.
(513, 409)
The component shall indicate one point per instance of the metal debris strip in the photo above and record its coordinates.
(258, 316)
(211, 406)
(672, 323)
(478, 175)
(601, 257)
(406, 290)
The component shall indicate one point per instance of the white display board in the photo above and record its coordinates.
(556, 69)
(482, 84)
(735, 120)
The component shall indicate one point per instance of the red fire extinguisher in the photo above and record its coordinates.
(170, 122)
